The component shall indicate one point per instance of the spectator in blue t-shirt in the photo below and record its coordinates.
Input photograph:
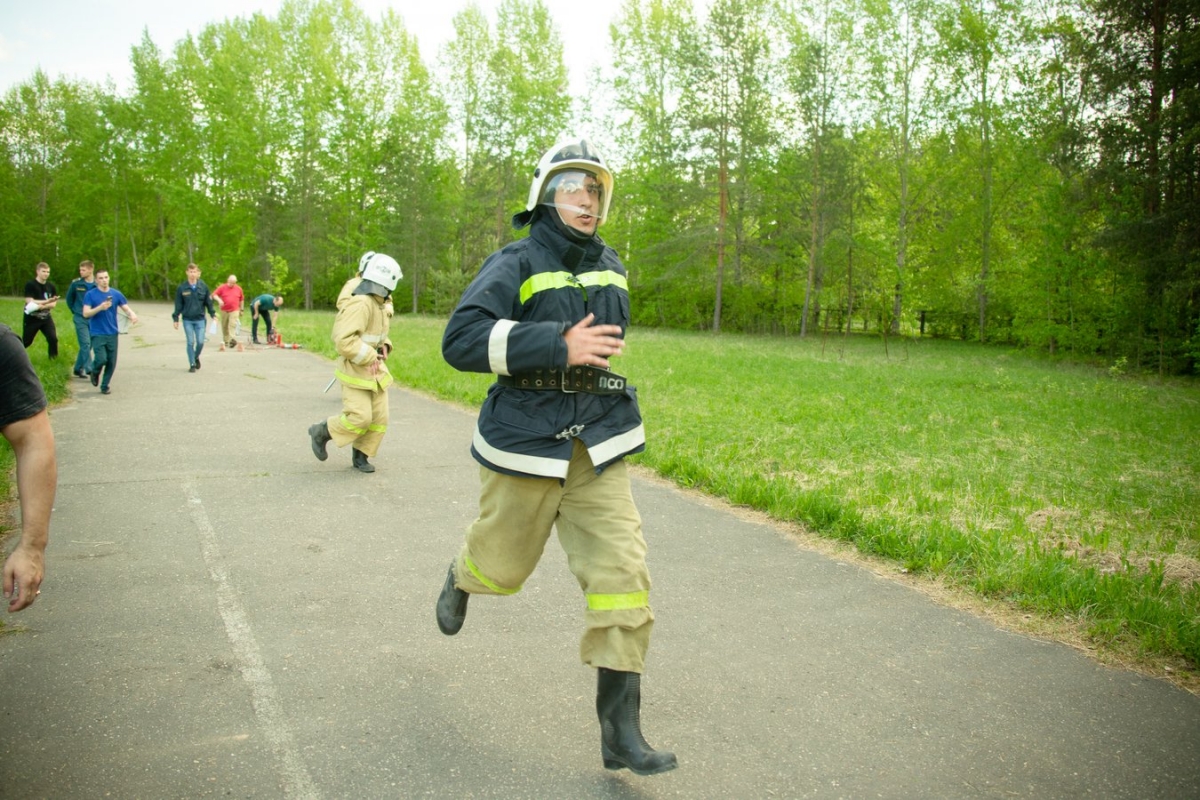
(100, 308)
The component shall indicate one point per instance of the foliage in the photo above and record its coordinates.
(279, 284)
(1001, 170)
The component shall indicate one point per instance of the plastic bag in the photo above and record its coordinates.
(212, 327)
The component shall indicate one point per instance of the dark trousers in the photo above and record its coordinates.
(83, 362)
(266, 318)
(104, 350)
(46, 326)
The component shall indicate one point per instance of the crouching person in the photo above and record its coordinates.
(360, 334)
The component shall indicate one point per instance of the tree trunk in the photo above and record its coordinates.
(723, 193)
(985, 244)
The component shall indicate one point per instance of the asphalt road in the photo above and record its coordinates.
(225, 616)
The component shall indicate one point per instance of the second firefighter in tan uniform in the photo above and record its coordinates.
(360, 335)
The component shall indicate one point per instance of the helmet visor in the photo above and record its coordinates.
(577, 191)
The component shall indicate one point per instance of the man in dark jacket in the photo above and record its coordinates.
(192, 299)
(545, 314)
(75, 292)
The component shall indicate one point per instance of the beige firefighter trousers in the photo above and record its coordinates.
(599, 529)
(363, 420)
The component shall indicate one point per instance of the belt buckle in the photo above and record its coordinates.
(564, 379)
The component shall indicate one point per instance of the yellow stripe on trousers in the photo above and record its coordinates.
(479, 576)
(618, 602)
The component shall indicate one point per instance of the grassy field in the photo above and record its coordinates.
(1066, 493)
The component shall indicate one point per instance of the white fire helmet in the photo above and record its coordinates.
(362, 262)
(382, 271)
(564, 166)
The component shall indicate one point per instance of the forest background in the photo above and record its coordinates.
(1017, 171)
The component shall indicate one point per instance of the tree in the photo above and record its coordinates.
(1144, 68)
(818, 68)
(657, 223)
(898, 40)
(413, 199)
(981, 43)
(730, 109)
(509, 103)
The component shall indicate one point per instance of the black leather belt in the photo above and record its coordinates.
(591, 380)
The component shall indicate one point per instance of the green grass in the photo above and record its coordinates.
(1057, 488)
(1065, 491)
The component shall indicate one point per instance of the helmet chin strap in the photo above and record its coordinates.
(565, 229)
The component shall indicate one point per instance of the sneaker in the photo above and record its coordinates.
(95, 378)
(197, 364)
(106, 390)
(192, 368)
(78, 373)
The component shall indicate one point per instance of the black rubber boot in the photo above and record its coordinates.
(618, 704)
(360, 463)
(451, 606)
(319, 433)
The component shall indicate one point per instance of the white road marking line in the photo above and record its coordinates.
(267, 708)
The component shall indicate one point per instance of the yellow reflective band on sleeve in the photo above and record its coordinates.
(606, 278)
(479, 576)
(377, 428)
(618, 602)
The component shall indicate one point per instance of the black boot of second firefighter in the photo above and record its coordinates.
(360, 463)
(622, 746)
(319, 433)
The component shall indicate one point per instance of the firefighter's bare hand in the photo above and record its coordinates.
(592, 345)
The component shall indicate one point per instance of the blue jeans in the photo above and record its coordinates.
(83, 361)
(194, 330)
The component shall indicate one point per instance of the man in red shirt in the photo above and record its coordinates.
(230, 295)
